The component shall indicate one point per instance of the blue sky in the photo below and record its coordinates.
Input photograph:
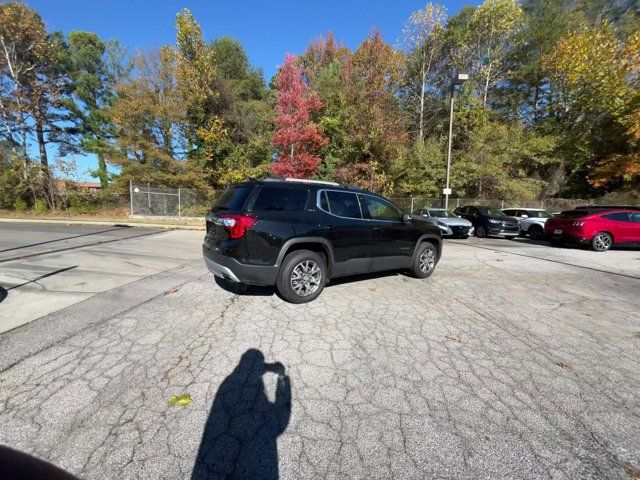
(267, 29)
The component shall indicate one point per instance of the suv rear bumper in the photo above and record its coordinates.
(231, 269)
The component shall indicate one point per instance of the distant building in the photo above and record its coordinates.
(66, 184)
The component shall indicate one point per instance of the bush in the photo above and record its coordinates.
(41, 205)
(20, 205)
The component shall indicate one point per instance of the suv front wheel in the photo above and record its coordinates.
(424, 262)
(302, 276)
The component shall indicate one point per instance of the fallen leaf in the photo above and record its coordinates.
(499, 260)
(181, 266)
(173, 290)
(455, 339)
(587, 314)
(563, 365)
(632, 472)
(182, 400)
(373, 289)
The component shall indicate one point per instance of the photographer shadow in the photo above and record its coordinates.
(240, 437)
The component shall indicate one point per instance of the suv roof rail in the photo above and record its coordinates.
(306, 180)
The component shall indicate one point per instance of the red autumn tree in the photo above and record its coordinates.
(296, 136)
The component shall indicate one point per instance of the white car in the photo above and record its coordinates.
(531, 220)
(448, 222)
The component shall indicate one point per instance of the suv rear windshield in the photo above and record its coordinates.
(233, 198)
(281, 200)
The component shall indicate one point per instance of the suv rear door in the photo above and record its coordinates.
(342, 223)
(392, 240)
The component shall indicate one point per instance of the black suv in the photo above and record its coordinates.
(489, 221)
(297, 234)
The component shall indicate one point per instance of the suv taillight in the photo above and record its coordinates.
(236, 224)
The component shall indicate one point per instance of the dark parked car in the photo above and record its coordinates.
(599, 227)
(489, 221)
(298, 234)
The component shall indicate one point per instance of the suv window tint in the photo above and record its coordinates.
(324, 203)
(635, 217)
(618, 216)
(513, 213)
(233, 198)
(381, 210)
(343, 204)
(281, 200)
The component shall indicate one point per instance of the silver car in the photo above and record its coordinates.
(449, 223)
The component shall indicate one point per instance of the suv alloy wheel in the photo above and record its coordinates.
(425, 262)
(302, 276)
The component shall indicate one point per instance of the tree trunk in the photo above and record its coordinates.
(47, 180)
(102, 171)
(421, 134)
(486, 86)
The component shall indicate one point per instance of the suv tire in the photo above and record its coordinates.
(536, 232)
(302, 276)
(481, 232)
(425, 260)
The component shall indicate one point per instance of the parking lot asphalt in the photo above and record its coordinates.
(47, 267)
(514, 360)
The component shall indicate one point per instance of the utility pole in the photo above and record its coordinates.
(458, 79)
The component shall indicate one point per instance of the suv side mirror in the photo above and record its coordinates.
(406, 218)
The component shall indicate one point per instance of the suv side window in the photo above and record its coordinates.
(342, 204)
(280, 200)
(618, 216)
(635, 217)
(380, 209)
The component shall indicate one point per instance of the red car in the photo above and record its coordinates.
(599, 227)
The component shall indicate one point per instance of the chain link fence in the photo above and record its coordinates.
(149, 202)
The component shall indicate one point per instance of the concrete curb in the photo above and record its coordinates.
(103, 222)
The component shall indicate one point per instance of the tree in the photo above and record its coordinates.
(422, 40)
(296, 136)
(150, 123)
(494, 29)
(372, 76)
(595, 97)
(324, 65)
(23, 44)
(92, 88)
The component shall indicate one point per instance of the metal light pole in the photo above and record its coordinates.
(459, 79)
